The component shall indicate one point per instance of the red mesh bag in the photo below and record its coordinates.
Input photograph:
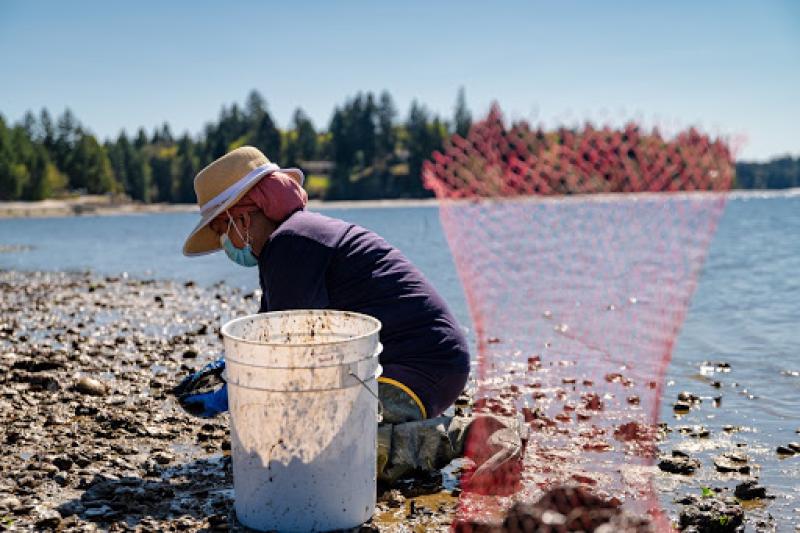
(578, 250)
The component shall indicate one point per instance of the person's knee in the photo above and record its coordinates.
(448, 388)
(399, 404)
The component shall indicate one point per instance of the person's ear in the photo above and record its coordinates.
(246, 221)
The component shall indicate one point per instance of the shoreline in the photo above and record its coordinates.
(105, 206)
(102, 206)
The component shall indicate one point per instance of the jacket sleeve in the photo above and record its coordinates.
(293, 274)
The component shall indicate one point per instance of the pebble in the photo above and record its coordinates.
(393, 498)
(9, 502)
(750, 490)
(97, 512)
(91, 387)
(734, 461)
(681, 407)
(163, 458)
(48, 519)
(785, 450)
(712, 515)
(678, 463)
(63, 463)
(686, 396)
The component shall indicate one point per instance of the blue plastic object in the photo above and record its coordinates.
(204, 393)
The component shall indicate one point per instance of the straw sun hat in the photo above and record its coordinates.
(223, 183)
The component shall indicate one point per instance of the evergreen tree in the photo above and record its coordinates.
(255, 106)
(161, 174)
(462, 119)
(116, 155)
(187, 166)
(30, 126)
(89, 167)
(47, 130)
(8, 185)
(385, 137)
(141, 139)
(343, 155)
(13, 175)
(365, 121)
(266, 137)
(46, 180)
(137, 171)
(300, 141)
(23, 155)
(67, 133)
(424, 136)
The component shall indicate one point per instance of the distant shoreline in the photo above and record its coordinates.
(105, 206)
(102, 206)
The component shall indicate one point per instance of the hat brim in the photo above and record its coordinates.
(203, 240)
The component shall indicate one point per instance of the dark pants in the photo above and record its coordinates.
(409, 393)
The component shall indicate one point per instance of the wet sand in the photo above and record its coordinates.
(93, 441)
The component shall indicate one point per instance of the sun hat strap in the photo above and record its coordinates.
(232, 191)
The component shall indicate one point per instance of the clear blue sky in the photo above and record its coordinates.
(728, 66)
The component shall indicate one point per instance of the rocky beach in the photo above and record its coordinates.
(94, 441)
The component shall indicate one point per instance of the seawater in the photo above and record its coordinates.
(745, 311)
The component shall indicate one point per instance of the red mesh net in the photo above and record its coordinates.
(578, 250)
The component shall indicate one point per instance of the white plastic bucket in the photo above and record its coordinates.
(302, 393)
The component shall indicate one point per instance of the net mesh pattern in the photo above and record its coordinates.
(578, 250)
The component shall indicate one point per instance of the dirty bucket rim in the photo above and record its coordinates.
(375, 322)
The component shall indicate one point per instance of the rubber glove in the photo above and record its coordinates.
(204, 393)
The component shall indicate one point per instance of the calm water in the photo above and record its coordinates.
(746, 310)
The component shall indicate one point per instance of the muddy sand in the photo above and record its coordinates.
(92, 439)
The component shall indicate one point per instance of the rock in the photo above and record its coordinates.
(712, 515)
(681, 407)
(163, 458)
(218, 522)
(104, 511)
(695, 431)
(794, 446)
(63, 463)
(785, 450)
(678, 464)
(48, 519)
(750, 490)
(734, 461)
(70, 508)
(91, 387)
(393, 498)
(22, 509)
(568, 509)
(9, 502)
(689, 397)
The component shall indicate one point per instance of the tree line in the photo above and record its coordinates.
(367, 151)
(779, 173)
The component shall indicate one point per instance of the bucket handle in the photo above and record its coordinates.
(380, 405)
